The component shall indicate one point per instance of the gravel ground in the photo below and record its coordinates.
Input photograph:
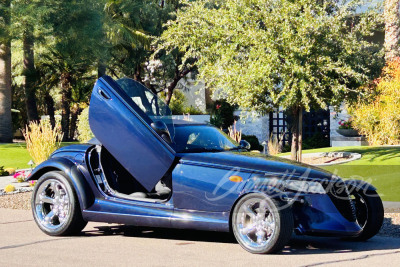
(19, 201)
(391, 224)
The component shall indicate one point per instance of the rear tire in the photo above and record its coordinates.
(262, 225)
(369, 213)
(55, 205)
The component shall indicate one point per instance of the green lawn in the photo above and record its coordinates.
(378, 165)
(16, 156)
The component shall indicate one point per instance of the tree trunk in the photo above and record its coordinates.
(30, 75)
(392, 29)
(6, 133)
(300, 136)
(66, 95)
(297, 134)
(170, 89)
(75, 111)
(50, 108)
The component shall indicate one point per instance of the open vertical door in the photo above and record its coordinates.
(120, 115)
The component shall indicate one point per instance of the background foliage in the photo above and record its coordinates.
(378, 116)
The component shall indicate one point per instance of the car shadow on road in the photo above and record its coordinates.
(297, 245)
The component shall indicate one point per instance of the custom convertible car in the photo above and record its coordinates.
(145, 169)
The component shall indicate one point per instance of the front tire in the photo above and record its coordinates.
(55, 205)
(369, 213)
(262, 225)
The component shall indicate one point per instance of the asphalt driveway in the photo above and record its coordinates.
(23, 244)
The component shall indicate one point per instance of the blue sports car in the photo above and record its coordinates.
(145, 169)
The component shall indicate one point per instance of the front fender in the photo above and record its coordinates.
(263, 185)
(359, 185)
(73, 174)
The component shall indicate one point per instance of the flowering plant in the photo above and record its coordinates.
(20, 176)
(343, 124)
(9, 188)
(32, 183)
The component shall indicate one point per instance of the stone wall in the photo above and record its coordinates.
(335, 117)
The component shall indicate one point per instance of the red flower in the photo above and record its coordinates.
(218, 107)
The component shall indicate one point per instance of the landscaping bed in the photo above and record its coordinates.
(379, 166)
(328, 158)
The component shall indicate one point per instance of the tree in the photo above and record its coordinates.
(164, 71)
(76, 29)
(25, 18)
(130, 27)
(261, 54)
(392, 29)
(6, 133)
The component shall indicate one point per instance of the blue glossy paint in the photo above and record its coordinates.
(254, 163)
(320, 216)
(74, 174)
(205, 189)
(126, 135)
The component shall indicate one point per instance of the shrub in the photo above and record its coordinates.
(253, 140)
(20, 176)
(275, 144)
(9, 188)
(317, 140)
(234, 133)
(41, 139)
(378, 116)
(10, 171)
(84, 131)
(3, 172)
(178, 105)
(222, 114)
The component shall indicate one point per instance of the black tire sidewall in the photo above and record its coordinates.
(74, 205)
(375, 215)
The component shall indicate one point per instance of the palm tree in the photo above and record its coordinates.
(5, 74)
(392, 29)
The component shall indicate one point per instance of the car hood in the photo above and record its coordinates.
(256, 163)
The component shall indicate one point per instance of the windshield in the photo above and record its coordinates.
(201, 138)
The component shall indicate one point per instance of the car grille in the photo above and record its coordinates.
(339, 194)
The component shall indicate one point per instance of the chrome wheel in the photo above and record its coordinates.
(255, 223)
(52, 205)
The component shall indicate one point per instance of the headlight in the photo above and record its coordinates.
(305, 186)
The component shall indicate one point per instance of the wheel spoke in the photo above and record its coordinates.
(269, 225)
(46, 199)
(262, 209)
(57, 191)
(248, 211)
(260, 236)
(248, 229)
(48, 219)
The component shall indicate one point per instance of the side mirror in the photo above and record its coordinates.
(245, 144)
(162, 130)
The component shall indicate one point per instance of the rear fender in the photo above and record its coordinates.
(73, 174)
